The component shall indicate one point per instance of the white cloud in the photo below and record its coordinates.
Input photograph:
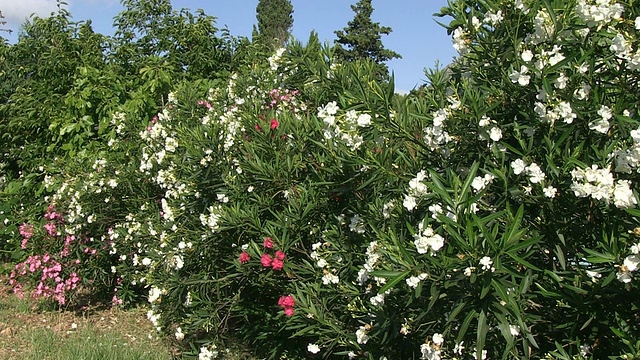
(17, 11)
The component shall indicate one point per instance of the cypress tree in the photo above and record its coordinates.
(361, 39)
(275, 20)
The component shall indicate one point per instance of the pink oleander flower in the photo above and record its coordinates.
(274, 124)
(277, 264)
(116, 301)
(244, 257)
(280, 255)
(51, 229)
(268, 243)
(26, 231)
(288, 311)
(258, 127)
(265, 260)
(287, 303)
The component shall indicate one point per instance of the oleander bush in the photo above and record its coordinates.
(303, 208)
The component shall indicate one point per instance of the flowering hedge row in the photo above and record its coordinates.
(307, 210)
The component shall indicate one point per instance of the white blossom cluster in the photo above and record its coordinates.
(431, 350)
(417, 189)
(461, 41)
(208, 353)
(435, 136)
(276, 59)
(551, 112)
(230, 121)
(343, 128)
(119, 124)
(427, 241)
(598, 13)
(628, 160)
(543, 28)
(319, 255)
(533, 170)
(212, 219)
(154, 316)
(599, 184)
(490, 129)
(361, 334)
(480, 182)
(373, 256)
(630, 265)
(413, 281)
(602, 124)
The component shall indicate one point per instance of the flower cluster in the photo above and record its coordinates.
(628, 160)
(480, 182)
(427, 241)
(417, 189)
(343, 128)
(208, 353)
(533, 170)
(275, 60)
(599, 184)
(52, 270)
(329, 274)
(598, 13)
(287, 303)
(490, 129)
(630, 265)
(276, 262)
(435, 136)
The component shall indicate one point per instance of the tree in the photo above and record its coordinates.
(275, 20)
(151, 34)
(362, 37)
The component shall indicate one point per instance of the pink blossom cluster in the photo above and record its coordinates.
(54, 218)
(276, 262)
(51, 282)
(244, 257)
(26, 231)
(287, 303)
(154, 120)
(116, 300)
(50, 271)
(278, 95)
(52, 214)
(204, 103)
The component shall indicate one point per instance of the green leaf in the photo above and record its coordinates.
(523, 261)
(391, 283)
(481, 335)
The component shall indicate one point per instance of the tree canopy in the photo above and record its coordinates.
(275, 20)
(361, 39)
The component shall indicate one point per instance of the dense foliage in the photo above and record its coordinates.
(296, 204)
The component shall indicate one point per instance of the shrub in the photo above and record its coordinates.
(305, 209)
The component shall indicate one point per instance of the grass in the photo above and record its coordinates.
(30, 331)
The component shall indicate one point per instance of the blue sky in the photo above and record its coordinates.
(416, 35)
